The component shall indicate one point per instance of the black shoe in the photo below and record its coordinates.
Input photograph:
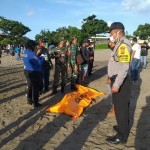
(30, 102)
(45, 91)
(116, 128)
(37, 105)
(54, 92)
(73, 87)
(62, 89)
(115, 140)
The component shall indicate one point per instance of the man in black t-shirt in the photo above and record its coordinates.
(144, 53)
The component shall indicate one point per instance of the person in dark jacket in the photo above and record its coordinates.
(85, 54)
(91, 58)
(47, 64)
(33, 73)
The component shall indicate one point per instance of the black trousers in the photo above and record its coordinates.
(121, 101)
(90, 67)
(35, 83)
(46, 74)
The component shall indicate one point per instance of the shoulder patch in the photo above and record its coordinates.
(123, 53)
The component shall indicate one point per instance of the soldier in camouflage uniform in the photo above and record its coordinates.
(59, 54)
(72, 63)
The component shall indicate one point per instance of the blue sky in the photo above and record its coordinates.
(52, 14)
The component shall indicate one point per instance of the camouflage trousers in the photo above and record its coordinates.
(74, 74)
(60, 72)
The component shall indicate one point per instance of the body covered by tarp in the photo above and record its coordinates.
(73, 103)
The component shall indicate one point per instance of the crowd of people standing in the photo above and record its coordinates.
(66, 66)
(123, 65)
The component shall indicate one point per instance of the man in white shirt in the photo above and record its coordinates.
(135, 58)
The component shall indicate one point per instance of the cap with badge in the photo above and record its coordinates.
(116, 25)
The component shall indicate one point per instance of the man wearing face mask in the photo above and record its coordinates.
(118, 76)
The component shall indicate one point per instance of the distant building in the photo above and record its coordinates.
(99, 39)
(2, 34)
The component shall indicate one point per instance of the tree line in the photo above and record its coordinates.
(14, 31)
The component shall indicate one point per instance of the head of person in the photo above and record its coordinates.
(31, 45)
(61, 43)
(42, 43)
(134, 40)
(74, 39)
(86, 43)
(116, 32)
(145, 43)
(91, 44)
(67, 43)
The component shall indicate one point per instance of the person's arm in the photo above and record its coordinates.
(123, 71)
(50, 61)
(133, 53)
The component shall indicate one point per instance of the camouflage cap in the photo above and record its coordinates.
(61, 39)
(74, 37)
(86, 41)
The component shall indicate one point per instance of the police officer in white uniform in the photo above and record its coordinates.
(121, 83)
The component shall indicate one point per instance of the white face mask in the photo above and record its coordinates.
(112, 39)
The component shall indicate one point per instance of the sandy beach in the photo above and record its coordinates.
(23, 128)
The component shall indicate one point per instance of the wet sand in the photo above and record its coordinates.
(23, 128)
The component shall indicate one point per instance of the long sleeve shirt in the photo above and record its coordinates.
(119, 68)
(31, 61)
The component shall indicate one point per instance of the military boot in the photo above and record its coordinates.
(73, 87)
(54, 91)
(62, 89)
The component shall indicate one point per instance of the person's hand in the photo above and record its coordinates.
(38, 53)
(91, 58)
(58, 55)
(108, 81)
(67, 44)
(114, 89)
(75, 68)
(68, 69)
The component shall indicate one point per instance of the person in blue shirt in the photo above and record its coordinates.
(17, 51)
(33, 72)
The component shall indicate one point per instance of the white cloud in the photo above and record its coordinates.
(31, 13)
(109, 23)
(139, 6)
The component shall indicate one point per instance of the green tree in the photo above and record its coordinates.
(128, 36)
(92, 26)
(143, 31)
(13, 30)
(63, 32)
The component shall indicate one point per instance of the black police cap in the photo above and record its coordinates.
(116, 25)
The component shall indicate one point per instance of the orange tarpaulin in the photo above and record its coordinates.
(73, 103)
